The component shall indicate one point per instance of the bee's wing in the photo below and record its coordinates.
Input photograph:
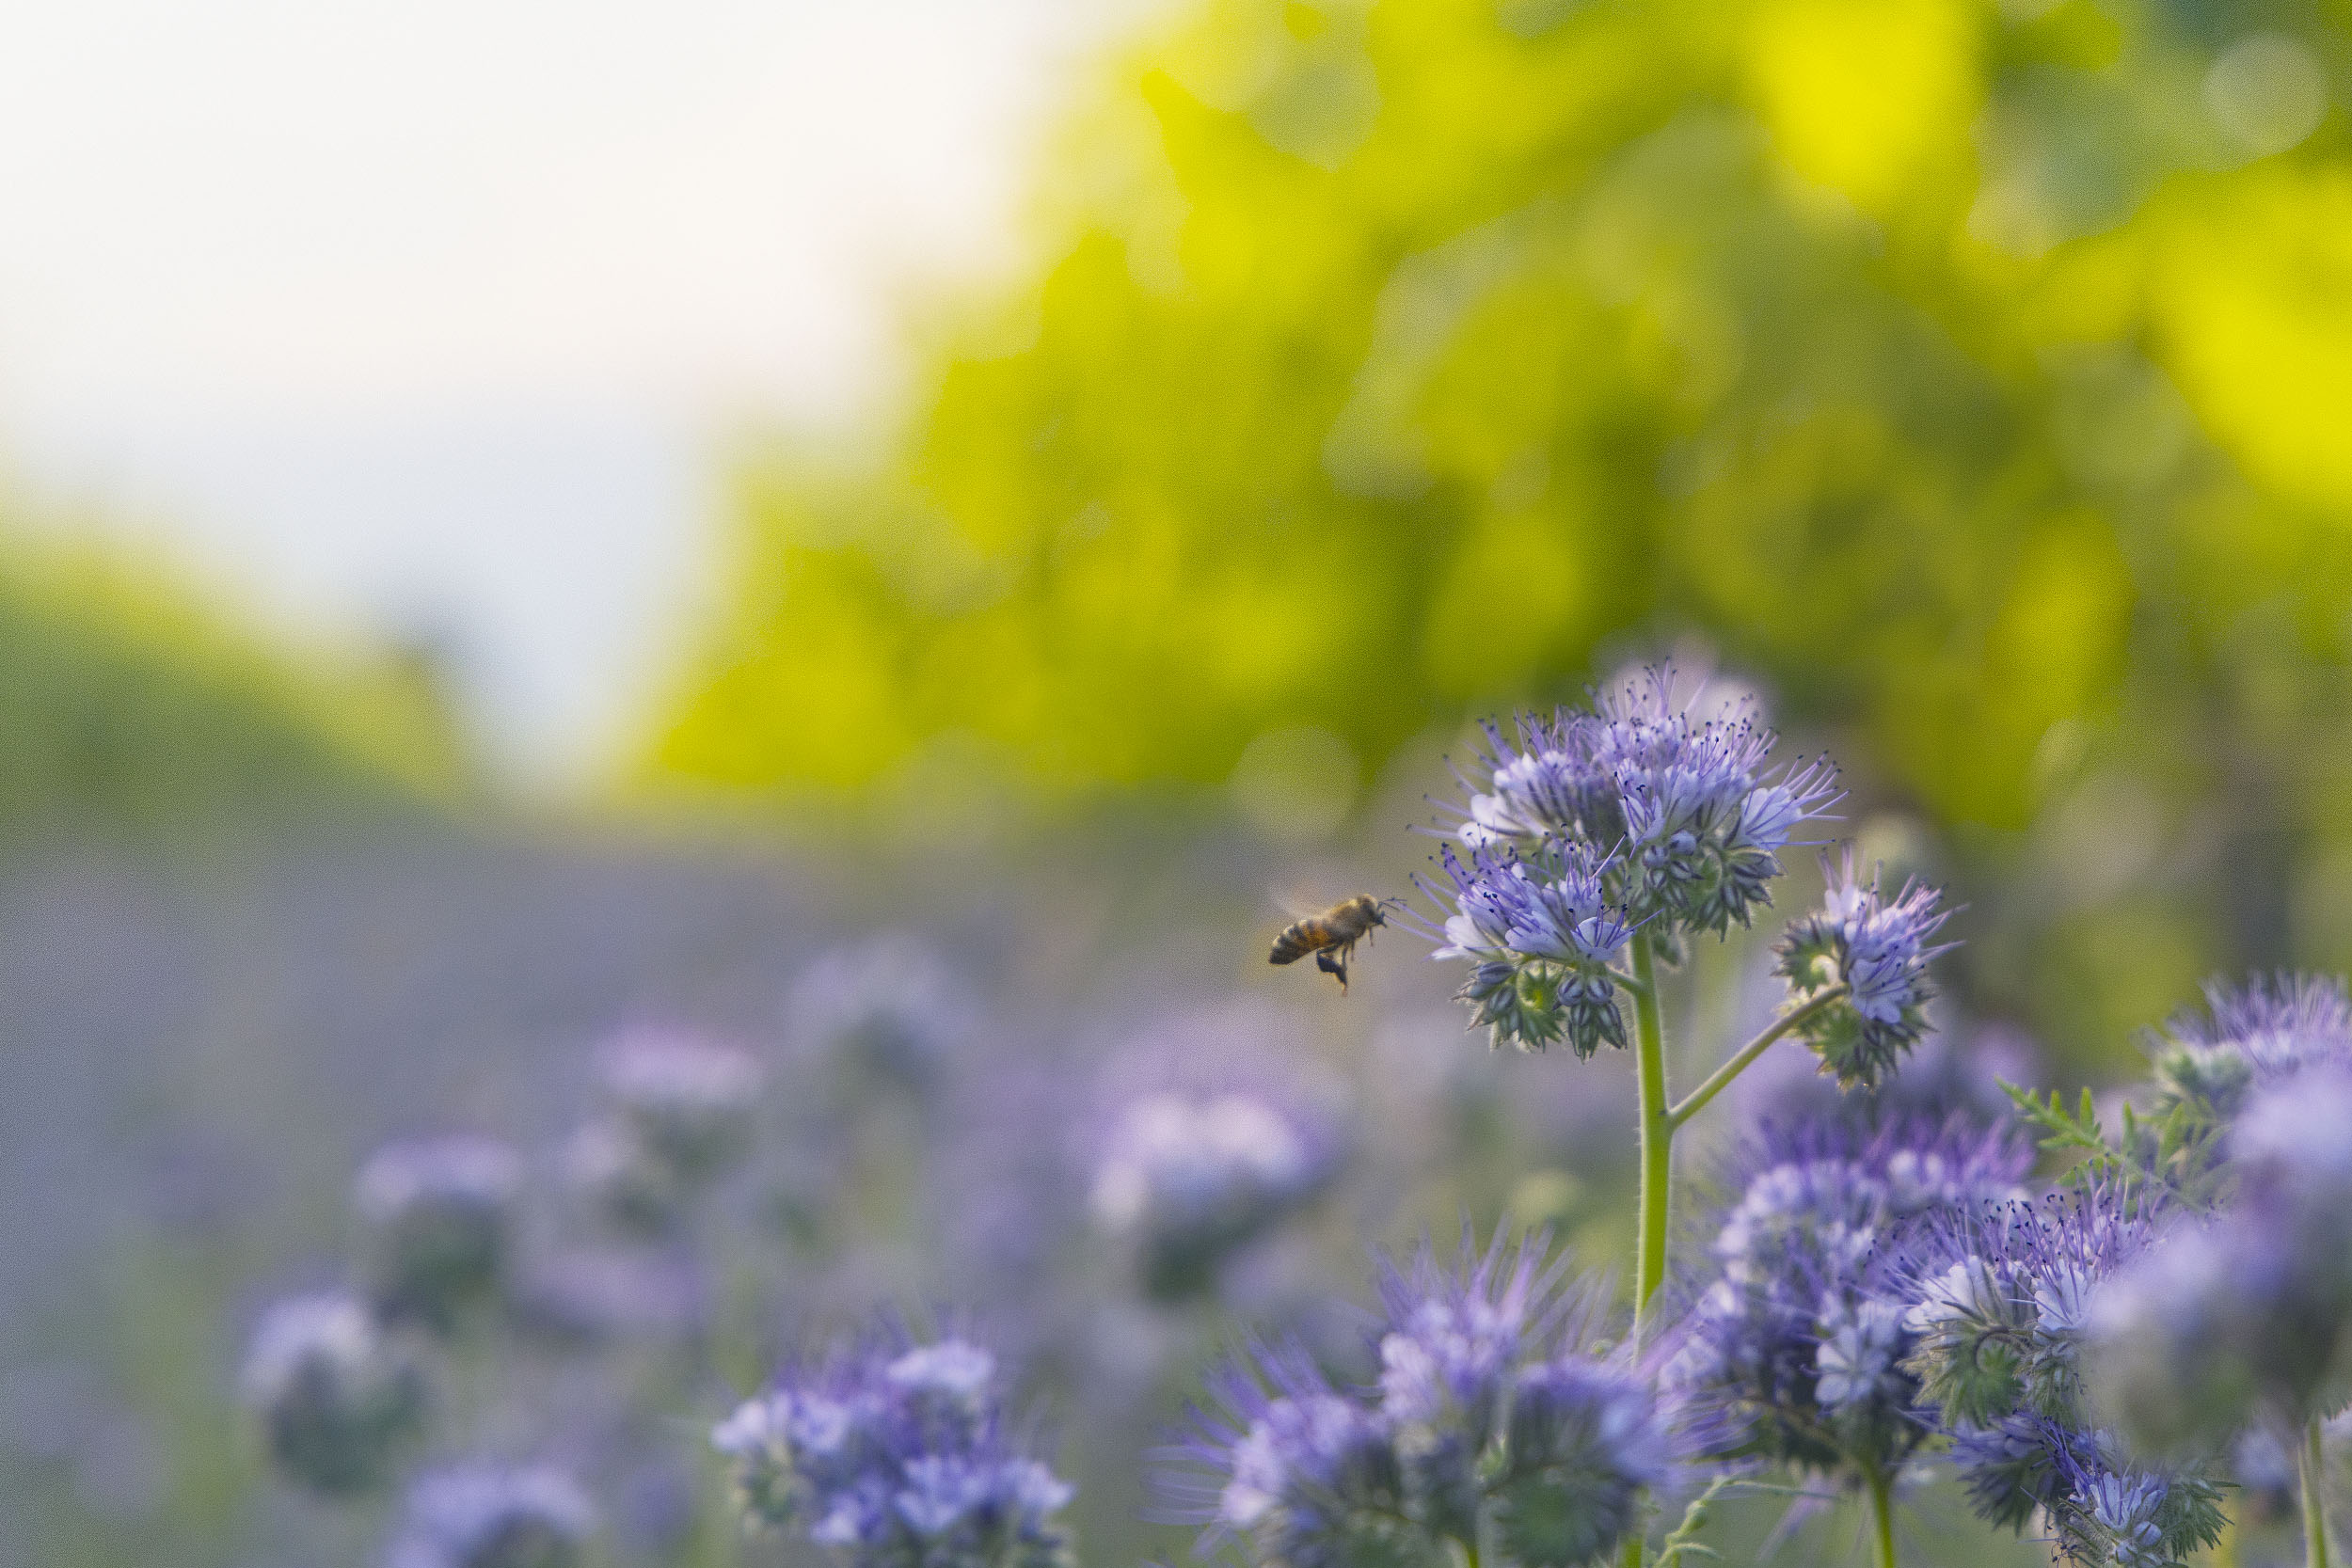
(1295, 902)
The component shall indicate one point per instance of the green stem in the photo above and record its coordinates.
(1740, 1059)
(1882, 1518)
(2314, 1467)
(1658, 1133)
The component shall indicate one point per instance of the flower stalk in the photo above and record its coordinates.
(1882, 1518)
(1796, 1018)
(2312, 1465)
(1657, 1139)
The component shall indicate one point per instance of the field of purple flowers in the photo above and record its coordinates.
(491, 1199)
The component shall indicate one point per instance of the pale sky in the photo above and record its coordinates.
(429, 317)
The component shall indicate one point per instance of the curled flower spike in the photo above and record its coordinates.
(1878, 950)
(2105, 1510)
(2001, 1295)
(1541, 939)
(1691, 799)
(897, 1456)
(1497, 1418)
(336, 1398)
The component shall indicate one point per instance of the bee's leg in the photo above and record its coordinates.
(1333, 961)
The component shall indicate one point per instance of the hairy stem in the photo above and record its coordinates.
(1658, 1131)
(1882, 1518)
(1740, 1059)
(2313, 1465)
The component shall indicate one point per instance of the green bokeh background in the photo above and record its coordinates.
(1973, 377)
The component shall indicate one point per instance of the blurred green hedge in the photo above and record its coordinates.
(137, 715)
(1975, 375)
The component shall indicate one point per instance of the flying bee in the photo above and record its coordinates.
(1330, 936)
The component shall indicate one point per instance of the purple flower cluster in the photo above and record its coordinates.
(1690, 803)
(339, 1400)
(1800, 1344)
(897, 1456)
(1497, 1418)
(487, 1516)
(1877, 949)
(1636, 815)
(1191, 1179)
(1535, 925)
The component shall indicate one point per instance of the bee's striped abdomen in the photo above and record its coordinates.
(1299, 939)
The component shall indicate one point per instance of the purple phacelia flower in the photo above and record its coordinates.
(1799, 1346)
(1877, 949)
(1498, 1417)
(338, 1401)
(1190, 1180)
(2004, 1307)
(897, 1456)
(1540, 937)
(2001, 1296)
(484, 1516)
(1689, 801)
(438, 1220)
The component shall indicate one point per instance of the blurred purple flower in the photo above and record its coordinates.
(608, 1166)
(2250, 1313)
(689, 1101)
(897, 1456)
(487, 1516)
(438, 1219)
(1190, 1178)
(2261, 1031)
(337, 1399)
(1496, 1417)
(884, 1013)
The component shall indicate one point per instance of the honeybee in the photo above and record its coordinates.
(1330, 936)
